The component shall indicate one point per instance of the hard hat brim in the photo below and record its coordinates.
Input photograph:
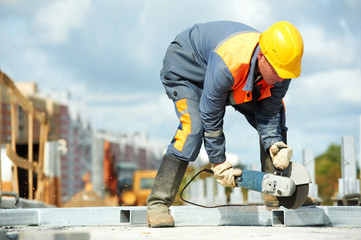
(285, 74)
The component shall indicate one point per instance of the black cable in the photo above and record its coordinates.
(203, 206)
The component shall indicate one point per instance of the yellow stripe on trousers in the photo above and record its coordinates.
(181, 135)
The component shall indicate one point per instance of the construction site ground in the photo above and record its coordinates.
(184, 233)
(244, 222)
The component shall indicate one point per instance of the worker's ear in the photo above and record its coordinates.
(260, 55)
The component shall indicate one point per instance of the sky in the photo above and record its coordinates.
(108, 54)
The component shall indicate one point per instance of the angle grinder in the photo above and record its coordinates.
(290, 186)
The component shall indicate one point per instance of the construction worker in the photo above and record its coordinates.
(217, 64)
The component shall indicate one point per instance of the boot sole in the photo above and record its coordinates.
(161, 225)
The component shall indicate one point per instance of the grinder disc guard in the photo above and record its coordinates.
(299, 174)
(297, 199)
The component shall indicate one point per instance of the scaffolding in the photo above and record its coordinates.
(18, 103)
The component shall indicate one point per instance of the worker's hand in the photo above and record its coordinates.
(225, 174)
(281, 155)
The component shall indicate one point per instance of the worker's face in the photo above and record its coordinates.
(268, 73)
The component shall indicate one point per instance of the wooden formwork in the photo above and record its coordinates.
(18, 100)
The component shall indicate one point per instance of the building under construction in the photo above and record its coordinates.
(49, 155)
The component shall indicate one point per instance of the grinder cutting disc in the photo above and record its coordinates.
(299, 175)
(297, 199)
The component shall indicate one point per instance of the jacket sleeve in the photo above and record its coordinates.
(269, 116)
(218, 81)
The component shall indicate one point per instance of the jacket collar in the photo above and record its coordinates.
(252, 69)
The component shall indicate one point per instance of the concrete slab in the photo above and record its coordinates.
(198, 233)
(14, 217)
(238, 216)
(345, 216)
(89, 216)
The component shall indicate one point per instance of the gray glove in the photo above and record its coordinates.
(225, 174)
(281, 155)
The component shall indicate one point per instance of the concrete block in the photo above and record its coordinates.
(91, 216)
(343, 216)
(236, 216)
(304, 216)
(337, 216)
(11, 217)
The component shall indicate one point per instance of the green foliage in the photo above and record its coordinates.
(328, 171)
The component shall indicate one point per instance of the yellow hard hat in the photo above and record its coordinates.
(282, 45)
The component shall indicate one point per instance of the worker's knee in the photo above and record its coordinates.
(186, 149)
(187, 140)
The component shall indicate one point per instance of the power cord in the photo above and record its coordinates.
(205, 206)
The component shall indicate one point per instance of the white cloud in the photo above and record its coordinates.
(151, 27)
(322, 107)
(327, 49)
(41, 59)
(245, 12)
(54, 22)
(339, 85)
(134, 112)
(38, 68)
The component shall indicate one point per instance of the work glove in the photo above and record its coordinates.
(225, 174)
(281, 155)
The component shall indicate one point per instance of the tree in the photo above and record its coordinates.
(328, 171)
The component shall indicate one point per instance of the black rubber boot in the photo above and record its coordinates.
(166, 185)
